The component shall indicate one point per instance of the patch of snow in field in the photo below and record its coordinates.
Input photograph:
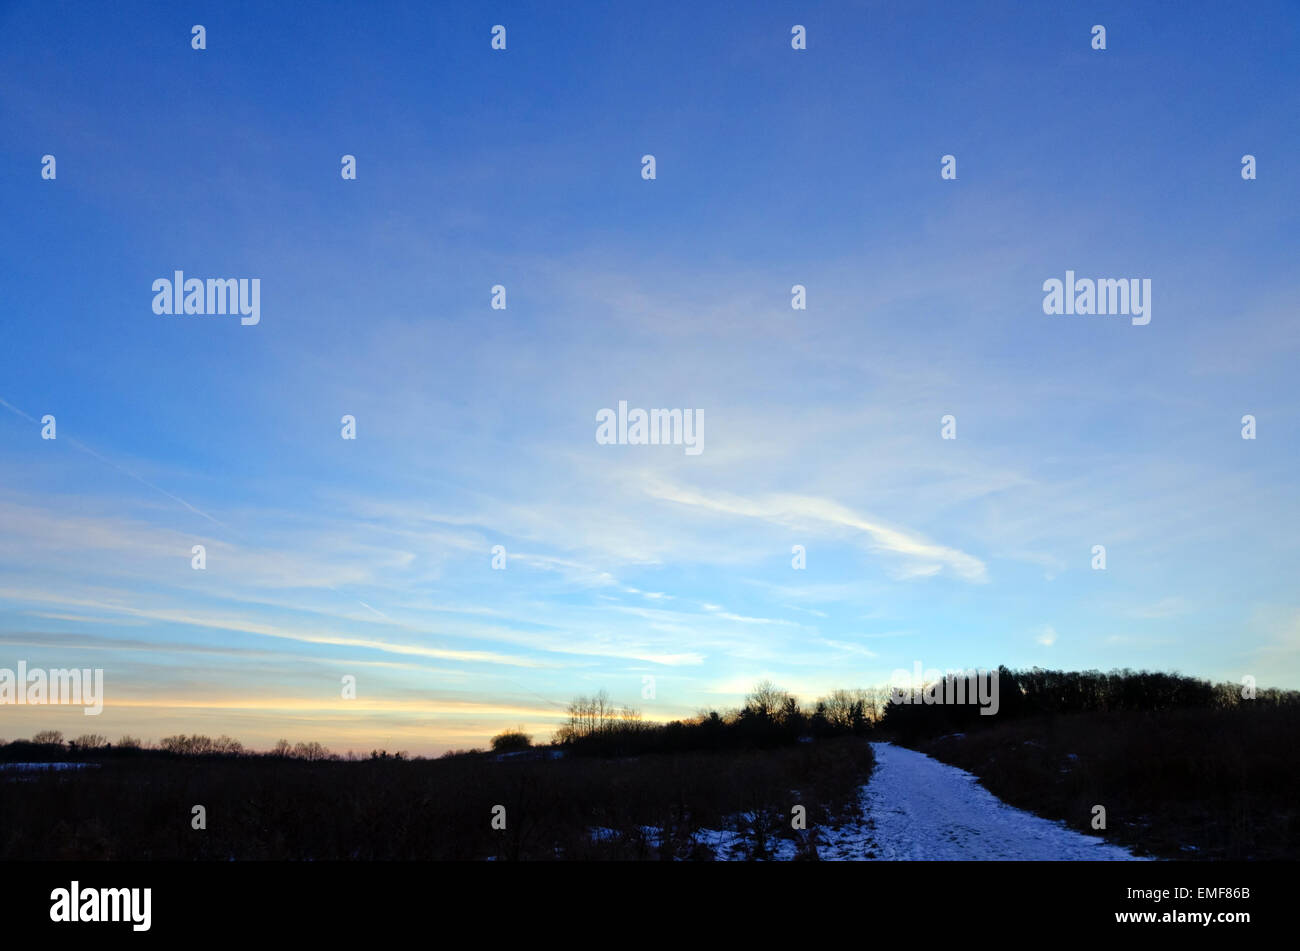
(32, 766)
(602, 834)
(731, 845)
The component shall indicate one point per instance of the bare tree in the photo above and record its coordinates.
(590, 716)
(766, 699)
(313, 751)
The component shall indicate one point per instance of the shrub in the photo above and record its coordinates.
(511, 741)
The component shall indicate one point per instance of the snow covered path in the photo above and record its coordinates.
(919, 808)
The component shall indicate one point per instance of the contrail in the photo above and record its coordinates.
(364, 605)
(561, 706)
(86, 449)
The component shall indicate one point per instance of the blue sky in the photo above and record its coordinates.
(475, 427)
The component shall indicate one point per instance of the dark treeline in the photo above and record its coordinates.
(1022, 694)
(769, 718)
(50, 746)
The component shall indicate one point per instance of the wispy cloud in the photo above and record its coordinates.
(819, 516)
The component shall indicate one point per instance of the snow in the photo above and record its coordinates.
(31, 766)
(923, 809)
(916, 808)
(735, 845)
